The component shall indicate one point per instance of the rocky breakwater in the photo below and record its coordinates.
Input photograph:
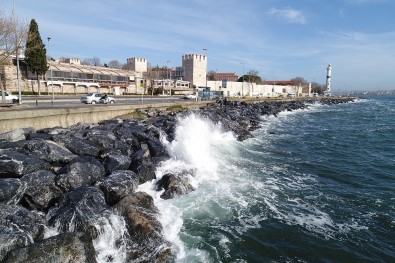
(70, 194)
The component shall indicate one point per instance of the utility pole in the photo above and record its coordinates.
(167, 79)
(17, 57)
(205, 50)
(242, 84)
(50, 68)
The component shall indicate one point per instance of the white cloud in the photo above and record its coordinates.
(290, 15)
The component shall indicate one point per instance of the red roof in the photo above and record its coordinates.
(278, 82)
(226, 76)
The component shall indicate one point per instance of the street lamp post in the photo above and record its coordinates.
(205, 50)
(167, 67)
(242, 84)
(50, 69)
(17, 58)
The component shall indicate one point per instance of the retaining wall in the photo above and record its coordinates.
(65, 117)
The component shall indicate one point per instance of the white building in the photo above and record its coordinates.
(195, 69)
(139, 65)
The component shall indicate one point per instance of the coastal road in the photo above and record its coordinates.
(74, 101)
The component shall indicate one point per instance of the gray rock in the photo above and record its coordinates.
(144, 168)
(82, 210)
(113, 162)
(145, 231)
(174, 185)
(118, 185)
(14, 164)
(77, 145)
(11, 190)
(67, 247)
(18, 227)
(16, 135)
(41, 191)
(49, 151)
(82, 171)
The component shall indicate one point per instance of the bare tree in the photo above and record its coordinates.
(114, 64)
(95, 61)
(12, 34)
(299, 81)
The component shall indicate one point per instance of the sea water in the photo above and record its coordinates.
(313, 185)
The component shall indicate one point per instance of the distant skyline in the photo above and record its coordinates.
(281, 39)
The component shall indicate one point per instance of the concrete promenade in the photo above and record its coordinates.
(12, 117)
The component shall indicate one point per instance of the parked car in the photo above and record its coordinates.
(9, 97)
(189, 96)
(93, 98)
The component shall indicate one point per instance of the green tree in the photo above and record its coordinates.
(35, 53)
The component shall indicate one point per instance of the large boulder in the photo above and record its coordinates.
(82, 210)
(18, 228)
(41, 191)
(16, 135)
(118, 185)
(48, 151)
(145, 169)
(114, 161)
(11, 190)
(67, 247)
(157, 149)
(78, 145)
(82, 171)
(14, 164)
(145, 231)
(173, 186)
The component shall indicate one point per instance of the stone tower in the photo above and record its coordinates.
(195, 69)
(137, 64)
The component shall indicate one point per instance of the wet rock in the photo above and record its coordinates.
(119, 184)
(14, 164)
(174, 185)
(82, 210)
(48, 151)
(67, 247)
(11, 190)
(41, 191)
(157, 149)
(77, 145)
(146, 240)
(18, 227)
(144, 168)
(16, 135)
(82, 171)
(114, 161)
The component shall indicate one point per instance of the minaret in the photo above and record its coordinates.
(328, 80)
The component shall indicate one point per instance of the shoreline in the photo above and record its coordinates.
(77, 178)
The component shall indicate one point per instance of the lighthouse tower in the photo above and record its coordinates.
(328, 80)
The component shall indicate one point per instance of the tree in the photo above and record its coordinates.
(35, 53)
(250, 78)
(114, 64)
(299, 81)
(95, 61)
(12, 34)
(211, 75)
(316, 87)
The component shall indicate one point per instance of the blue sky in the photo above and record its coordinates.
(280, 39)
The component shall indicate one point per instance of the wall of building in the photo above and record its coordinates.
(195, 69)
(138, 64)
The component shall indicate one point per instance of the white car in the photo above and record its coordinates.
(189, 96)
(9, 97)
(93, 98)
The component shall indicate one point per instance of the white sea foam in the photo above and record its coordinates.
(110, 245)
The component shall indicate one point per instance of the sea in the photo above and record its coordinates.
(312, 185)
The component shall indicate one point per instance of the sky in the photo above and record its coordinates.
(280, 39)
